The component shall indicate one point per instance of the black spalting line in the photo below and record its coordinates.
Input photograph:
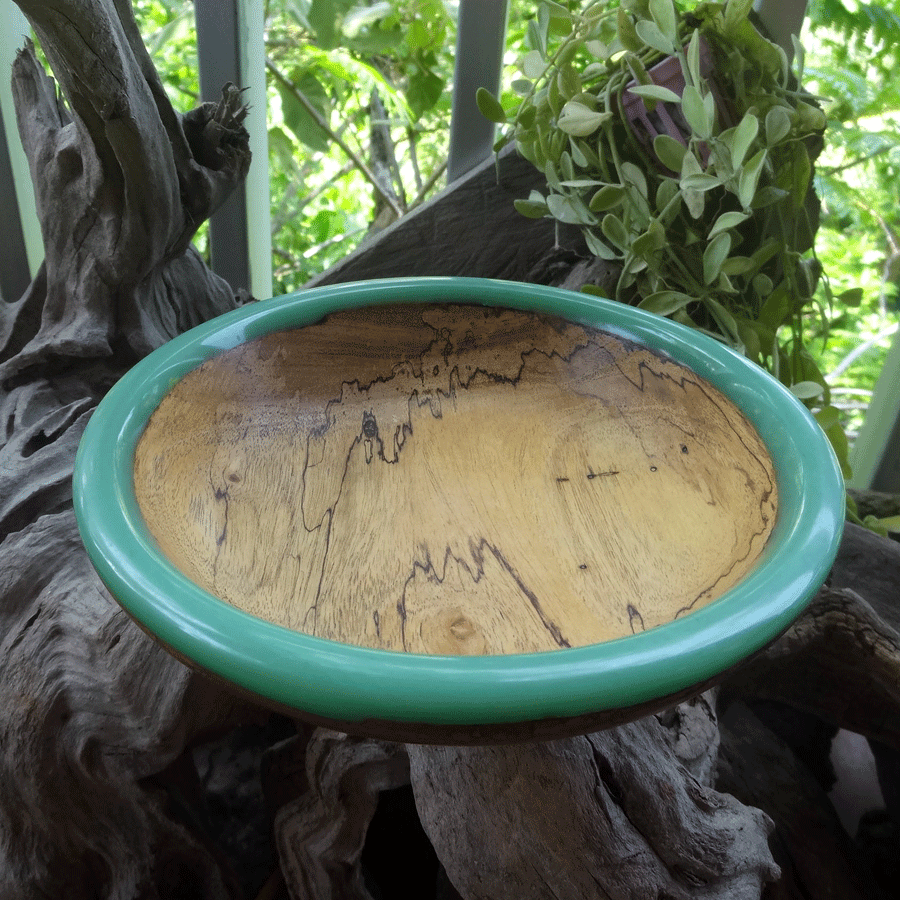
(686, 609)
(592, 474)
(477, 550)
(635, 619)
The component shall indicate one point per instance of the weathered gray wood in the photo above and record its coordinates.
(90, 706)
(122, 183)
(816, 855)
(610, 815)
(320, 835)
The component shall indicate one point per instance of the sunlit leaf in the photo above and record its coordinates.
(654, 92)
(695, 114)
(664, 303)
(650, 34)
(580, 121)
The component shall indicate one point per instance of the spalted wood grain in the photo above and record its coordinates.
(610, 815)
(455, 479)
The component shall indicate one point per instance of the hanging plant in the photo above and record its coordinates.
(683, 147)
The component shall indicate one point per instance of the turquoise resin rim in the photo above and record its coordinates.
(350, 683)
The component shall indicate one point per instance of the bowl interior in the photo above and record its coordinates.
(455, 479)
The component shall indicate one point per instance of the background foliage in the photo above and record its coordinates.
(358, 108)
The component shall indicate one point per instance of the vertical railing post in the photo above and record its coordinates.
(21, 245)
(230, 48)
(782, 18)
(479, 60)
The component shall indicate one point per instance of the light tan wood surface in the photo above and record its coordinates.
(455, 480)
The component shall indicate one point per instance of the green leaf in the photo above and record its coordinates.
(299, 120)
(654, 92)
(664, 303)
(749, 338)
(828, 416)
(744, 135)
(614, 231)
(425, 89)
(607, 197)
(695, 114)
(568, 82)
(651, 35)
(693, 57)
(628, 37)
(578, 155)
(749, 178)
(763, 285)
(489, 106)
(322, 18)
(578, 120)
(537, 35)
(737, 265)
(736, 12)
(802, 175)
(726, 222)
(778, 125)
(633, 176)
(569, 210)
(533, 65)
(535, 207)
(701, 182)
(768, 196)
(598, 248)
(852, 298)
(714, 255)
(651, 241)
(669, 151)
(776, 309)
(806, 390)
(663, 13)
(724, 319)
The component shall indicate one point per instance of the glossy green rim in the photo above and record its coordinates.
(352, 684)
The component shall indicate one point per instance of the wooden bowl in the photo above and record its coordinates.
(457, 510)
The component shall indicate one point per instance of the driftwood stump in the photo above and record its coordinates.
(90, 706)
(97, 722)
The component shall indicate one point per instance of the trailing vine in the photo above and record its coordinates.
(683, 146)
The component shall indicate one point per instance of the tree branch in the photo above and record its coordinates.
(358, 161)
